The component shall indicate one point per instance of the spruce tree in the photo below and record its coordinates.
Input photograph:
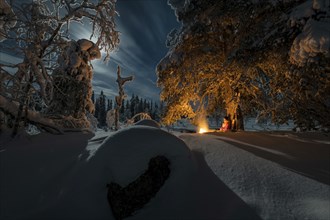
(111, 105)
(132, 105)
(102, 111)
(97, 108)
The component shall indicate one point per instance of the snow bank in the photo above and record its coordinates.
(124, 156)
(52, 178)
(273, 191)
(34, 170)
(148, 122)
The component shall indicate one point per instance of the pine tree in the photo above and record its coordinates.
(140, 106)
(102, 111)
(132, 105)
(127, 113)
(136, 105)
(122, 108)
(109, 105)
(97, 108)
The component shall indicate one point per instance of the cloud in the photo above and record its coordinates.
(143, 25)
(9, 59)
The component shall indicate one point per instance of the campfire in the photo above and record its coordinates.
(202, 123)
(202, 130)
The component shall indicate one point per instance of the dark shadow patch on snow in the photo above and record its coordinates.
(124, 201)
(220, 196)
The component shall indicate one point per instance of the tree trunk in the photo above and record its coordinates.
(121, 96)
(234, 113)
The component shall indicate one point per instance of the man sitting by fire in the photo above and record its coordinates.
(226, 125)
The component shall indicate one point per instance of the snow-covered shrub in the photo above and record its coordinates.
(73, 81)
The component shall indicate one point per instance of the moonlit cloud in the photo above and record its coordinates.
(144, 25)
(9, 59)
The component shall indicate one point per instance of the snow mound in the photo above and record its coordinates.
(125, 154)
(191, 192)
(122, 158)
(148, 122)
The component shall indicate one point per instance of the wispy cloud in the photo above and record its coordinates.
(144, 25)
(9, 59)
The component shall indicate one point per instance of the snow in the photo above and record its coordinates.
(314, 38)
(275, 192)
(148, 122)
(65, 177)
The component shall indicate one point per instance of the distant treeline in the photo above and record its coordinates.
(130, 107)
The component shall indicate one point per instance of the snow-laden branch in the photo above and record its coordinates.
(12, 108)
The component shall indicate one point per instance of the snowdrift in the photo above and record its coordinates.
(78, 190)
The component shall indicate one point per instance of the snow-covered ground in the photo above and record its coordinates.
(273, 191)
(250, 124)
(64, 177)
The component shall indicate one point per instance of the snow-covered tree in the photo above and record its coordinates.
(72, 85)
(121, 95)
(266, 57)
(48, 59)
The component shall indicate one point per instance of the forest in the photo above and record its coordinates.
(266, 59)
(129, 108)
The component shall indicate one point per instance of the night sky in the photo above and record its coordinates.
(144, 25)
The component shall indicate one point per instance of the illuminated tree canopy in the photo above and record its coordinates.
(252, 54)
